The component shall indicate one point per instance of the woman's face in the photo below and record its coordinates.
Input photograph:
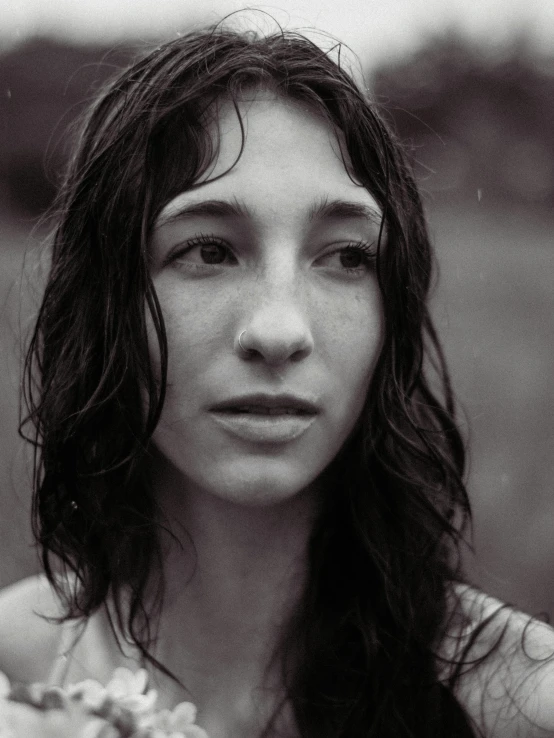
(278, 252)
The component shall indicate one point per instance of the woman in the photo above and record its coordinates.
(249, 474)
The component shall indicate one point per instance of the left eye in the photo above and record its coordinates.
(352, 258)
(213, 253)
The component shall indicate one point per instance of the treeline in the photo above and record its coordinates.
(44, 86)
(474, 119)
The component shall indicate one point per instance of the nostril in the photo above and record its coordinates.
(273, 350)
(301, 353)
(275, 337)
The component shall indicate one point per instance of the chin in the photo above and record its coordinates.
(246, 481)
(259, 487)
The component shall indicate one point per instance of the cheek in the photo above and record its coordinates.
(197, 334)
(355, 336)
(192, 324)
(353, 341)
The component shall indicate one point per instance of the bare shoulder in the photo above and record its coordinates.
(28, 640)
(507, 677)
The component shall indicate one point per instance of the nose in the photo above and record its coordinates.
(276, 333)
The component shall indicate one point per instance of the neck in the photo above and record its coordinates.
(233, 575)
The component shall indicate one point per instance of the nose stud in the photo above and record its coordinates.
(246, 351)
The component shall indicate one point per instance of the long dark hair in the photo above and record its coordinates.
(360, 657)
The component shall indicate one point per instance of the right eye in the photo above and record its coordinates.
(204, 252)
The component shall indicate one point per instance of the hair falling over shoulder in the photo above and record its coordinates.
(360, 657)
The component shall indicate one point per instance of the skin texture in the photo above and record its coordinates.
(307, 304)
(313, 327)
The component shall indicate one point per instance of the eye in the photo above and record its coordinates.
(213, 253)
(204, 252)
(354, 258)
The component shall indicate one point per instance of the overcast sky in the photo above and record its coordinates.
(374, 28)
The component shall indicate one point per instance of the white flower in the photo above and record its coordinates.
(99, 728)
(177, 719)
(21, 720)
(127, 690)
(89, 692)
(177, 723)
(124, 682)
(89, 710)
(192, 731)
(4, 685)
(5, 729)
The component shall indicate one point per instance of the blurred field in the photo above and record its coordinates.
(495, 312)
(494, 307)
(16, 554)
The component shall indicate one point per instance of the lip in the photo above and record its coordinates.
(264, 400)
(296, 417)
(263, 428)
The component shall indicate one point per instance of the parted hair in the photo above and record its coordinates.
(360, 657)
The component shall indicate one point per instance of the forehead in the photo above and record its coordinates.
(276, 155)
(263, 125)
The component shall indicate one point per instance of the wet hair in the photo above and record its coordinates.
(360, 657)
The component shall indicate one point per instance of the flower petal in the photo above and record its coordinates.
(96, 728)
(183, 715)
(90, 692)
(54, 698)
(125, 682)
(194, 731)
(29, 694)
(5, 729)
(139, 703)
(4, 685)
(160, 721)
(121, 683)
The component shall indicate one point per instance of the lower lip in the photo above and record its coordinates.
(264, 428)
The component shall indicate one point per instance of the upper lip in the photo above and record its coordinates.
(261, 399)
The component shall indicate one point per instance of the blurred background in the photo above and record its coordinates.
(470, 88)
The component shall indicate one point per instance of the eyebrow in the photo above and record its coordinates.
(344, 209)
(324, 210)
(210, 208)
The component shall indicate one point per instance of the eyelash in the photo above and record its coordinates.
(366, 248)
(204, 240)
(199, 240)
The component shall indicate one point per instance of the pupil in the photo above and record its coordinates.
(351, 258)
(213, 254)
